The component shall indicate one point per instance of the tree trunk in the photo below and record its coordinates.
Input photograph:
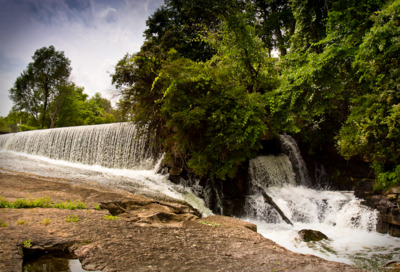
(278, 33)
(269, 200)
(46, 96)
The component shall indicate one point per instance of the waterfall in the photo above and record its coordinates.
(271, 170)
(118, 155)
(349, 225)
(290, 148)
(117, 145)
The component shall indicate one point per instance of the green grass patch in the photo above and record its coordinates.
(209, 224)
(3, 224)
(72, 218)
(21, 222)
(43, 202)
(45, 221)
(27, 243)
(111, 217)
(70, 205)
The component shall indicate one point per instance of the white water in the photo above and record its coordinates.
(117, 145)
(115, 155)
(349, 225)
(290, 148)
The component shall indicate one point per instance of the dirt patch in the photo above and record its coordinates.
(144, 234)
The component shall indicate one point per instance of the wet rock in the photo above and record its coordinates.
(175, 171)
(394, 190)
(147, 212)
(308, 235)
(393, 266)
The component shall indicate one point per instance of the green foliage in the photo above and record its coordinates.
(97, 207)
(44, 98)
(111, 217)
(43, 202)
(45, 222)
(70, 205)
(386, 178)
(27, 243)
(211, 89)
(21, 222)
(20, 203)
(372, 129)
(209, 224)
(72, 218)
(3, 224)
(38, 85)
(210, 115)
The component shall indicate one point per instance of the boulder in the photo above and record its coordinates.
(175, 171)
(308, 235)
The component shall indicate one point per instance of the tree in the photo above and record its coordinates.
(210, 114)
(372, 129)
(70, 106)
(100, 111)
(40, 84)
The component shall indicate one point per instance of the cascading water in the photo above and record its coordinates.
(118, 155)
(118, 145)
(349, 225)
(290, 148)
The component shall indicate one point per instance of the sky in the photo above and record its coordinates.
(93, 34)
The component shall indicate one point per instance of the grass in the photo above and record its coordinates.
(97, 208)
(209, 224)
(45, 221)
(27, 243)
(72, 218)
(111, 217)
(43, 202)
(21, 222)
(3, 224)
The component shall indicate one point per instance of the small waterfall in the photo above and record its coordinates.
(284, 178)
(117, 145)
(290, 148)
(271, 170)
(349, 225)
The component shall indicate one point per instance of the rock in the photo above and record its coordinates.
(394, 190)
(393, 219)
(175, 171)
(393, 266)
(146, 211)
(392, 197)
(308, 235)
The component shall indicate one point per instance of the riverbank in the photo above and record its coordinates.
(144, 234)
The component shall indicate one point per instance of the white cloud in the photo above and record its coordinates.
(94, 35)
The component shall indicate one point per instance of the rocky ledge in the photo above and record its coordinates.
(387, 203)
(120, 231)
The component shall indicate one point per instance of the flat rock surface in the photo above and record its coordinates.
(150, 235)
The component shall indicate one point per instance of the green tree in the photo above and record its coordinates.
(372, 129)
(210, 114)
(213, 122)
(276, 24)
(100, 111)
(70, 106)
(40, 83)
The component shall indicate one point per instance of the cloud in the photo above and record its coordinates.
(94, 35)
